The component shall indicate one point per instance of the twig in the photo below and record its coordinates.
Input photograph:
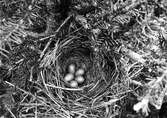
(10, 111)
(69, 89)
(51, 39)
(36, 110)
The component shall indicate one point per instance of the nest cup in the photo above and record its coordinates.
(80, 54)
(99, 74)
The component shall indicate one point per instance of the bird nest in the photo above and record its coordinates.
(100, 74)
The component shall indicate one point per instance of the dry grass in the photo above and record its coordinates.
(122, 44)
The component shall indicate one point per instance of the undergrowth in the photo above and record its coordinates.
(121, 43)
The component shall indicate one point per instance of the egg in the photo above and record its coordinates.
(79, 72)
(80, 79)
(71, 68)
(74, 84)
(69, 77)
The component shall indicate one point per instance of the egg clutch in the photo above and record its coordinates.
(74, 76)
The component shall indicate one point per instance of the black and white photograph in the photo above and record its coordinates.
(83, 58)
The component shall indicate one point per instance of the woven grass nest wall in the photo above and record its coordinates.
(88, 98)
(83, 59)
